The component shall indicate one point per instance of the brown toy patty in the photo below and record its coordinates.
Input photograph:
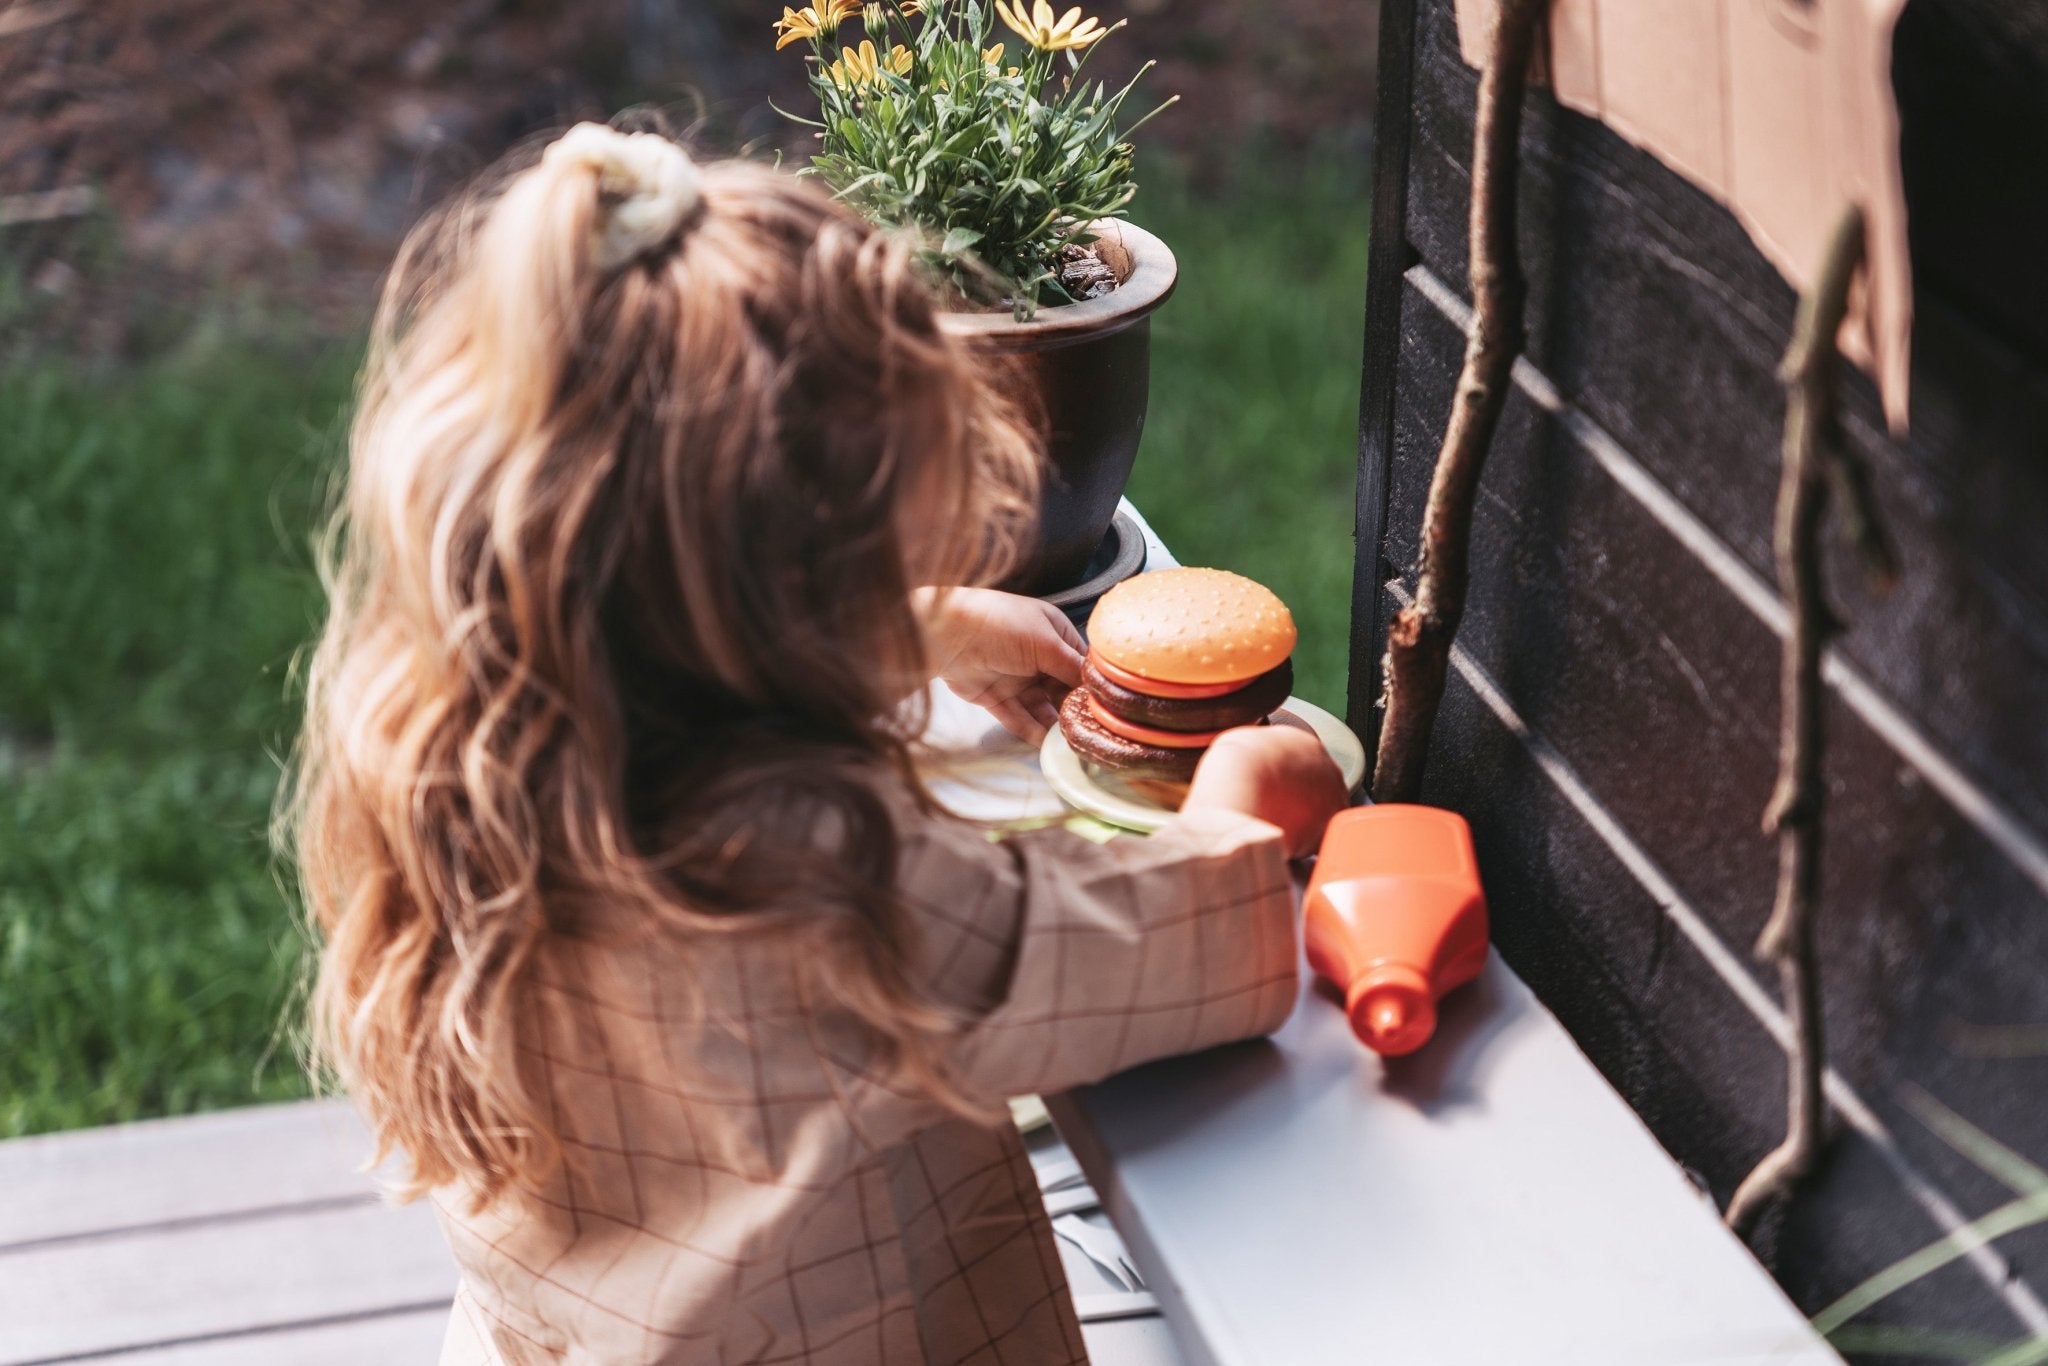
(1086, 737)
(1258, 698)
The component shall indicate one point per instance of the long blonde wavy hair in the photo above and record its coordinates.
(620, 618)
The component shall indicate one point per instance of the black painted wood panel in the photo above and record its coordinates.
(1652, 310)
(1657, 687)
(1671, 1042)
(1971, 80)
(1392, 121)
(1655, 318)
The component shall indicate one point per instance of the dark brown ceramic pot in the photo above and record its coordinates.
(1090, 364)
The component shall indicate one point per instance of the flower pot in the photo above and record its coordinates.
(1089, 365)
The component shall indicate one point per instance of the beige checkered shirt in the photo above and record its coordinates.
(774, 1201)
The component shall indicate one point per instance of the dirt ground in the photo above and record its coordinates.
(169, 146)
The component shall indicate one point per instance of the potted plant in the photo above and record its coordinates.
(1015, 173)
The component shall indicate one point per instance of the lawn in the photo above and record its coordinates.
(156, 584)
(1251, 440)
(153, 529)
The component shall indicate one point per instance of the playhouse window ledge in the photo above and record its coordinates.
(1298, 1200)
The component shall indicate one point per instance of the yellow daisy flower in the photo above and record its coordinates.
(1040, 29)
(813, 21)
(858, 66)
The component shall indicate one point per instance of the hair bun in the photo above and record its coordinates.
(649, 188)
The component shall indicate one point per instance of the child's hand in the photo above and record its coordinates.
(1281, 775)
(1013, 656)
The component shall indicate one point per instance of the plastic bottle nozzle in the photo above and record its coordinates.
(1391, 1010)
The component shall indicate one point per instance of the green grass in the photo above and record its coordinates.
(1252, 435)
(154, 585)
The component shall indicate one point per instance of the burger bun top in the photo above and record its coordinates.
(1192, 626)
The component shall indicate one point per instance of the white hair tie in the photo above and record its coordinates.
(652, 186)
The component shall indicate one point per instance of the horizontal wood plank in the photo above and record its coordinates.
(250, 1236)
(1652, 1015)
(1652, 311)
(408, 1338)
(414, 1339)
(101, 1294)
(178, 1170)
(402, 1339)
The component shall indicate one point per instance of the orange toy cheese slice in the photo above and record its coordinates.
(1147, 735)
(1157, 687)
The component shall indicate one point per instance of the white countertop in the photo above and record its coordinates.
(1490, 1199)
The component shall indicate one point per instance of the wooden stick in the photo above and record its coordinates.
(1813, 456)
(1419, 638)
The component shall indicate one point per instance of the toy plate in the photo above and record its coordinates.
(1126, 803)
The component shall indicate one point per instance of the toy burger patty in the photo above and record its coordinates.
(1174, 659)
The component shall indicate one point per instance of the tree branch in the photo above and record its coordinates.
(1813, 458)
(1419, 638)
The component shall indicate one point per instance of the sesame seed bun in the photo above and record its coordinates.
(1192, 626)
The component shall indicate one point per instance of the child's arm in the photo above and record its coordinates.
(1073, 959)
(1013, 656)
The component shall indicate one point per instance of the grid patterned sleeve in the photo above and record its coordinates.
(1075, 959)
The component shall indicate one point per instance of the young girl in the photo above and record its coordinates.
(642, 942)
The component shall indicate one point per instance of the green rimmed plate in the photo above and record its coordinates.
(1125, 804)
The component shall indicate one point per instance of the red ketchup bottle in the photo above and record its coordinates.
(1396, 918)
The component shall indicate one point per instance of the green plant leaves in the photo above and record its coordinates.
(1998, 1161)
(995, 166)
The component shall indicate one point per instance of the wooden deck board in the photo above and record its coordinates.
(403, 1339)
(254, 1236)
(172, 1170)
(185, 1282)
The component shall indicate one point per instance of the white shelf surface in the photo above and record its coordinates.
(1298, 1200)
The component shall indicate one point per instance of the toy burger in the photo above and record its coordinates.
(1175, 658)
